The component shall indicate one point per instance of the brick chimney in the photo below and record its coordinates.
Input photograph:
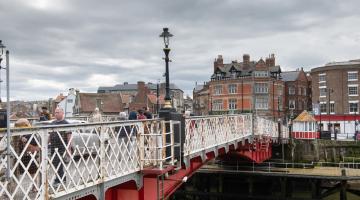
(272, 60)
(219, 62)
(267, 61)
(141, 93)
(246, 59)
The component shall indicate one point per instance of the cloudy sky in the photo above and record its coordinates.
(59, 44)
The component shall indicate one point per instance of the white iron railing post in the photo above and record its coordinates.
(44, 187)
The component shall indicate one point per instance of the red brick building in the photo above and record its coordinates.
(108, 104)
(297, 92)
(145, 98)
(247, 86)
(136, 94)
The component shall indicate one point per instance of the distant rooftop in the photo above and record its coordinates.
(350, 62)
(198, 88)
(290, 76)
(129, 87)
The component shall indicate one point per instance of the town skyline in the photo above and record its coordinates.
(59, 45)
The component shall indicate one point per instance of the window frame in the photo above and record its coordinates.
(292, 90)
(218, 90)
(353, 72)
(232, 90)
(322, 75)
(353, 86)
(321, 88)
(217, 105)
(357, 107)
(294, 104)
(232, 104)
(263, 89)
(323, 103)
(332, 107)
(261, 102)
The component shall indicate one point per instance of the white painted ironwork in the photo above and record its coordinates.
(202, 133)
(269, 128)
(53, 162)
(50, 162)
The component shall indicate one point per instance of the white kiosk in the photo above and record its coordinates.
(304, 127)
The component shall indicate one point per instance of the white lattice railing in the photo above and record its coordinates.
(84, 155)
(270, 128)
(203, 133)
(55, 161)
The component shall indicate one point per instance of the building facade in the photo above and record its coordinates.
(188, 104)
(247, 86)
(201, 102)
(177, 95)
(297, 92)
(108, 104)
(68, 103)
(335, 89)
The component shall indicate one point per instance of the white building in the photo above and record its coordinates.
(68, 103)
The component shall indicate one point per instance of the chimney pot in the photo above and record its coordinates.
(246, 58)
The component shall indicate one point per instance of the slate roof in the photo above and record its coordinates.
(290, 76)
(129, 87)
(198, 88)
(242, 69)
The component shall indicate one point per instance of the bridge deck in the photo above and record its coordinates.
(97, 156)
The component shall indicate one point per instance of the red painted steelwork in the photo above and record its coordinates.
(125, 191)
(305, 135)
(258, 152)
(337, 117)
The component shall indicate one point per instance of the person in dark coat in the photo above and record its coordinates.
(147, 113)
(133, 115)
(44, 115)
(124, 136)
(57, 139)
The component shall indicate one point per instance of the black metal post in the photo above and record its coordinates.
(211, 105)
(273, 99)
(242, 95)
(329, 112)
(355, 123)
(167, 85)
(157, 98)
(279, 99)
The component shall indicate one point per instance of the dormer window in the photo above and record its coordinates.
(233, 74)
(261, 73)
(218, 75)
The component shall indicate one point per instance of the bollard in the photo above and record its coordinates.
(343, 172)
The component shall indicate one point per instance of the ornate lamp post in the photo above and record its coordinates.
(166, 36)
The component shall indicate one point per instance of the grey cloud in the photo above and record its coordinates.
(71, 42)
